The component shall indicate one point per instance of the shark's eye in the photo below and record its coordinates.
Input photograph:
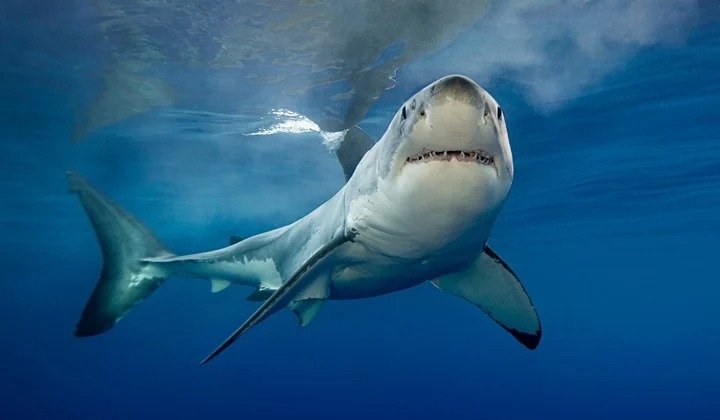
(499, 114)
(404, 113)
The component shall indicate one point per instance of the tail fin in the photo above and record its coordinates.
(124, 281)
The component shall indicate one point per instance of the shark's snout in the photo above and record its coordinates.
(454, 121)
(456, 88)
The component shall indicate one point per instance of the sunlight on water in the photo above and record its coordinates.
(293, 123)
(332, 140)
(290, 122)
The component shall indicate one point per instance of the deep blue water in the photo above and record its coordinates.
(612, 224)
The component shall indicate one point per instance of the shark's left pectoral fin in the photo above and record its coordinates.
(491, 285)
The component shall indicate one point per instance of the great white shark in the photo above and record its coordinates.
(418, 206)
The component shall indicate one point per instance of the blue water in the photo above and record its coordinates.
(612, 223)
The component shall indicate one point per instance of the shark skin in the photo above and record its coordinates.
(418, 206)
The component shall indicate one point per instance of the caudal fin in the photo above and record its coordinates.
(125, 280)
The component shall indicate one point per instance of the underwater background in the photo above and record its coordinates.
(208, 119)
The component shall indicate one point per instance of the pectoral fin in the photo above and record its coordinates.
(290, 291)
(491, 285)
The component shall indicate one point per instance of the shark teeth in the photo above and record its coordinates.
(478, 156)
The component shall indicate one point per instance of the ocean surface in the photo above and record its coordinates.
(612, 223)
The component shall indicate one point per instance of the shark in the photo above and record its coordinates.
(418, 206)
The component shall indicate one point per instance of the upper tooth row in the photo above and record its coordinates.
(474, 155)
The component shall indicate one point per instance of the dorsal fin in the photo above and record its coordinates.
(352, 149)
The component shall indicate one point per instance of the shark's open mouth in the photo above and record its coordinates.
(478, 156)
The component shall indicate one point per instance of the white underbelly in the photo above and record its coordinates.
(426, 212)
(360, 273)
(432, 220)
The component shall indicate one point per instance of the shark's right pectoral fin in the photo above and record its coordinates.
(491, 285)
(293, 292)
